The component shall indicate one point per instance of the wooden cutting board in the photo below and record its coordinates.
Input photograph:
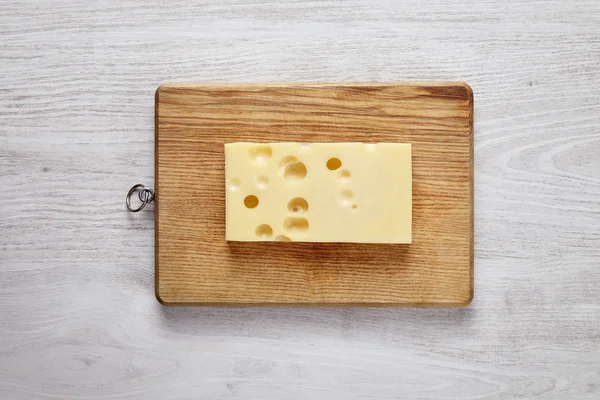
(196, 266)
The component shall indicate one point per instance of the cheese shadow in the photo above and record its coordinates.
(319, 255)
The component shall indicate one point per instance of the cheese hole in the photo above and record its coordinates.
(354, 207)
(262, 182)
(295, 225)
(233, 184)
(282, 238)
(291, 168)
(298, 205)
(260, 154)
(333, 164)
(263, 231)
(251, 201)
(346, 198)
(344, 176)
(295, 171)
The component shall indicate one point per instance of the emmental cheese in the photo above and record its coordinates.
(319, 192)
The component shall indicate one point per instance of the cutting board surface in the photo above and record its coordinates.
(196, 265)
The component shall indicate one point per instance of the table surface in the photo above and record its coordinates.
(78, 317)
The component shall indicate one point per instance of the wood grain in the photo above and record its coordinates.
(78, 316)
(194, 263)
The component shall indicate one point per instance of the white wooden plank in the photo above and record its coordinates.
(78, 318)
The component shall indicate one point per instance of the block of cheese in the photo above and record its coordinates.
(319, 192)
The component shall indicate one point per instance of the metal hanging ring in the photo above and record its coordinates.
(145, 194)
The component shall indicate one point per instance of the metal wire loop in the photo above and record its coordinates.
(145, 194)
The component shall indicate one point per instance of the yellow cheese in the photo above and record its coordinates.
(319, 192)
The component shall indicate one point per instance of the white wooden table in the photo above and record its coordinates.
(78, 317)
